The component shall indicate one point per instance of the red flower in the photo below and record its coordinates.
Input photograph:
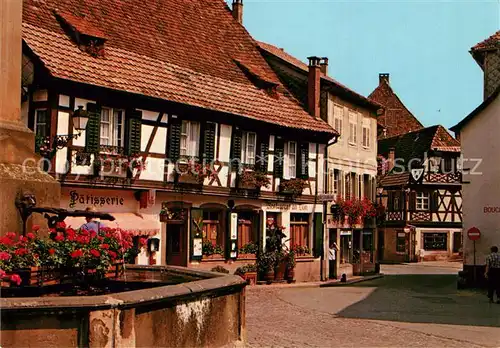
(112, 254)
(30, 236)
(22, 239)
(61, 224)
(2, 274)
(77, 253)
(52, 230)
(6, 241)
(35, 228)
(59, 238)
(52, 251)
(11, 235)
(143, 241)
(95, 253)
(4, 256)
(100, 238)
(21, 251)
(15, 278)
(105, 246)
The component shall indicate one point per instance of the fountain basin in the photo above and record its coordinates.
(207, 310)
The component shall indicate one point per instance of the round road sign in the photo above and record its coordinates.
(473, 233)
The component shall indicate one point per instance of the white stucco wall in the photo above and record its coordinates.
(480, 142)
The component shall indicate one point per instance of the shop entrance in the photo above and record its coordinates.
(176, 245)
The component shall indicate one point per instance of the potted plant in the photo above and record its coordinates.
(211, 250)
(265, 264)
(290, 266)
(249, 250)
(248, 272)
(220, 269)
(293, 187)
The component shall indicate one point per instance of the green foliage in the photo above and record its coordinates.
(249, 268)
(250, 248)
(209, 248)
(220, 269)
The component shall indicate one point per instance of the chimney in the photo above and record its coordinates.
(391, 159)
(313, 86)
(238, 10)
(383, 77)
(324, 66)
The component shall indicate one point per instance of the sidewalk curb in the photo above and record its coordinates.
(353, 281)
(314, 284)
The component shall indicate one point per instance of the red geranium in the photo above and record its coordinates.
(95, 253)
(21, 251)
(112, 254)
(75, 254)
(35, 228)
(105, 246)
(4, 256)
(15, 278)
(143, 241)
(59, 238)
(30, 236)
(52, 251)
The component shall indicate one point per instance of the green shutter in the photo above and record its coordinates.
(209, 141)
(318, 234)
(134, 128)
(279, 154)
(93, 130)
(236, 148)
(262, 160)
(174, 144)
(303, 161)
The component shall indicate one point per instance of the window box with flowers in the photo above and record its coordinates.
(248, 273)
(192, 173)
(248, 251)
(301, 251)
(252, 180)
(353, 211)
(212, 251)
(115, 163)
(292, 187)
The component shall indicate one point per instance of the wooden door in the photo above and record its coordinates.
(244, 233)
(176, 245)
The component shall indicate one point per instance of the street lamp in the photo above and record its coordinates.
(47, 147)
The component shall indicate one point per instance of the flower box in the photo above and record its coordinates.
(292, 187)
(247, 256)
(250, 278)
(212, 257)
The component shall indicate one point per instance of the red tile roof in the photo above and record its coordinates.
(184, 51)
(280, 53)
(490, 42)
(397, 119)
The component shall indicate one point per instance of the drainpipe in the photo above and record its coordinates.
(332, 141)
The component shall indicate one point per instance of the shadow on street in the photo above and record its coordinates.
(423, 298)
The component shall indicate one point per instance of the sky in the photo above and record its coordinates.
(424, 45)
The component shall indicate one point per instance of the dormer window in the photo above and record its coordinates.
(88, 38)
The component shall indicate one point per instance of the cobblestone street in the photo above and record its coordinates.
(414, 305)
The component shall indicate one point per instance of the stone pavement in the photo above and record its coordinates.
(414, 305)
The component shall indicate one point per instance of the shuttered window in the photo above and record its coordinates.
(174, 140)
(279, 155)
(262, 158)
(42, 123)
(190, 139)
(366, 137)
(248, 147)
(303, 161)
(93, 130)
(338, 115)
(112, 127)
(236, 140)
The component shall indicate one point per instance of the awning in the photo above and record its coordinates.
(136, 224)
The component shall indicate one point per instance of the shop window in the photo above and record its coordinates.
(112, 127)
(190, 139)
(299, 230)
(345, 247)
(436, 241)
(457, 242)
(42, 123)
(401, 242)
(422, 200)
(212, 228)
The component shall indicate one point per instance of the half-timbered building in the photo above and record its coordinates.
(192, 140)
(352, 165)
(421, 179)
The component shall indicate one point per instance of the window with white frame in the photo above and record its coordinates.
(366, 136)
(248, 146)
(422, 201)
(338, 115)
(112, 127)
(336, 181)
(42, 123)
(353, 128)
(190, 139)
(291, 159)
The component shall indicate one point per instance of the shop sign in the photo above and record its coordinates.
(286, 207)
(345, 233)
(76, 197)
(234, 226)
(197, 247)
